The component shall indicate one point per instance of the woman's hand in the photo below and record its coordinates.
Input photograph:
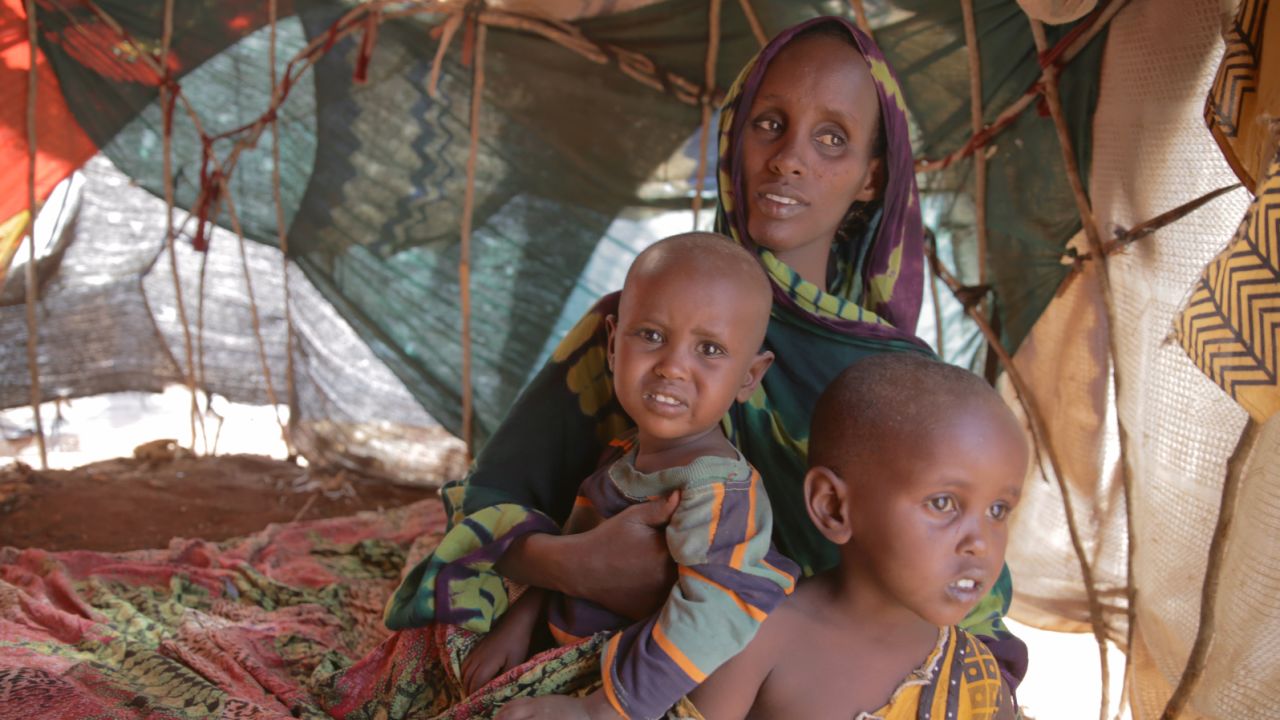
(624, 562)
(621, 564)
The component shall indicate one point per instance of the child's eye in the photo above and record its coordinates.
(649, 335)
(942, 503)
(999, 511)
(710, 349)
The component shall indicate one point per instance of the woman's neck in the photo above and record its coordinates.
(810, 263)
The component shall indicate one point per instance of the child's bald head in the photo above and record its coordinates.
(892, 400)
(701, 257)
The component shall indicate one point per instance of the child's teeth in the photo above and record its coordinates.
(966, 584)
(780, 199)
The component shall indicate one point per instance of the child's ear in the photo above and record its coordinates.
(826, 497)
(873, 187)
(611, 322)
(755, 373)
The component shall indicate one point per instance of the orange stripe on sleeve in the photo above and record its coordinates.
(791, 582)
(716, 506)
(754, 612)
(739, 552)
(583, 501)
(606, 671)
(677, 655)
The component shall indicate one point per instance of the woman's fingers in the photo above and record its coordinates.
(655, 513)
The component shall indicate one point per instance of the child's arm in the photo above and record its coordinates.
(732, 689)
(720, 537)
(507, 645)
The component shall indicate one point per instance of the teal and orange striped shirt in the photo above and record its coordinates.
(730, 579)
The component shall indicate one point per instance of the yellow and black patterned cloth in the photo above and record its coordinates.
(1231, 325)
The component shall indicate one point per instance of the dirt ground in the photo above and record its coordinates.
(131, 503)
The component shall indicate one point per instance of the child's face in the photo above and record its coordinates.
(807, 144)
(684, 346)
(934, 529)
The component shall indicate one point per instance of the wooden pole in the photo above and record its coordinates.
(464, 259)
(31, 277)
(708, 88)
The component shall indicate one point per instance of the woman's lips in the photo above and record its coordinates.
(779, 205)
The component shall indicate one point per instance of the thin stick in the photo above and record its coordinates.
(1141, 230)
(166, 104)
(708, 87)
(756, 28)
(33, 324)
(253, 311)
(282, 237)
(975, 123)
(1050, 83)
(464, 259)
(1213, 572)
(860, 16)
(1027, 99)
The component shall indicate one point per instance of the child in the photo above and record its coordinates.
(684, 346)
(915, 466)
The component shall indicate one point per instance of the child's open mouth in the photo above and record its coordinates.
(965, 589)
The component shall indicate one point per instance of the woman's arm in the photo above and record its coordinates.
(622, 564)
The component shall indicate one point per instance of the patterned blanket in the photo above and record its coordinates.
(263, 626)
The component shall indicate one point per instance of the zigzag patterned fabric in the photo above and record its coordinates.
(1245, 90)
(1231, 325)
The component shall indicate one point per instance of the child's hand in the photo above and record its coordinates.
(507, 645)
(495, 654)
(559, 707)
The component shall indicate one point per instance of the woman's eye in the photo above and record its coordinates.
(999, 511)
(832, 140)
(650, 335)
(710, 349)
(942, 503)
(768, 125)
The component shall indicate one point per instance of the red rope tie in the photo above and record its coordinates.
(371, 23)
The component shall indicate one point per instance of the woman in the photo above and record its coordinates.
(816, 175)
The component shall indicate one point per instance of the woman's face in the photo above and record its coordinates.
(806, 150)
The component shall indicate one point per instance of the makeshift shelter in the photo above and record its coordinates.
(450, 182)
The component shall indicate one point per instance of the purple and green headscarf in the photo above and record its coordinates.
(879, 274)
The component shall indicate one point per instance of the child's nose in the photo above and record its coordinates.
(671, 365)
(973, 539)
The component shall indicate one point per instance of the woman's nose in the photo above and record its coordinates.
(787, 159)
